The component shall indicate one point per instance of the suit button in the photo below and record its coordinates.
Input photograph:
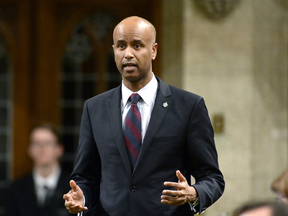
(133, 188)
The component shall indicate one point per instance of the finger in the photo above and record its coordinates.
(65, 196)
(166, 199)
(77, 209)
(180, 176)
(173, 184)
(73, 211)
(68, 201)
(176, 201)
(69, 204)
(169, 198)
(173, 199)
(173, 193)
(73, 185)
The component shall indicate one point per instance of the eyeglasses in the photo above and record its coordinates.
(43, 144)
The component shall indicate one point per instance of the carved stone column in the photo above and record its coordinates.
(217, 9)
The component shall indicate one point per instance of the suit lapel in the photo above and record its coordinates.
(114, 107)
(161, 107)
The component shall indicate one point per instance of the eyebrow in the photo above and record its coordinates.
(120, 41)
(137, 41)
(134, 41)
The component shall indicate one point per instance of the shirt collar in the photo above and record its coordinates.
(50, 181)
(145, 92)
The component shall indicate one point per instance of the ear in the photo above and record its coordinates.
(113, 47)
(154, 51)
(60, 149)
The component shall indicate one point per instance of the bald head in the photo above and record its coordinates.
(135, 21)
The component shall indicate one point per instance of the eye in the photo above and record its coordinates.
(137, 46)
(121, 46)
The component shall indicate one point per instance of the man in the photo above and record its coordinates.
(262, 208)
(136, 157)
(40, 193)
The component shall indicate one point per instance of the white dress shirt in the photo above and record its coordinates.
(41, 182)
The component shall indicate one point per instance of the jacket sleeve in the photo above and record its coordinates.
(87, 168)
(203, 158)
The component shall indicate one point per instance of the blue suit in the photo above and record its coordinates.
(179, 137)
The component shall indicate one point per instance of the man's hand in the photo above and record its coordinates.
(74, 199)
(182, 195)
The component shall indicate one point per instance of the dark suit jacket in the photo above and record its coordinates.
(22, 199)
(179, 137)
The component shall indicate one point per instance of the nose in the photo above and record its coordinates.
(129, 54)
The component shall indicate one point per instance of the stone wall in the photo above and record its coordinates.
(239, 64)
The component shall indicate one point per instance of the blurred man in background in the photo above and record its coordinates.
(40, 193)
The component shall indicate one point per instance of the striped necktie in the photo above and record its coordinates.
(132, 134)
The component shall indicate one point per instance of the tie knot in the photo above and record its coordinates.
(135, 98)
(46, 188)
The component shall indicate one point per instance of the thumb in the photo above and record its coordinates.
(180, 176)
(73, 185)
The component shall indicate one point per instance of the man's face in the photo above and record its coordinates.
(261, 211)
(44, 148)
(134, 50)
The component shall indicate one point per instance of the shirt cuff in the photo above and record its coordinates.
(193, 205)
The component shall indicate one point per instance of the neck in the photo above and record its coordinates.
(45, 170)
(139, 84)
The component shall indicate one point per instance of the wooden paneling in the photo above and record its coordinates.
(22, 61)
(46, 85)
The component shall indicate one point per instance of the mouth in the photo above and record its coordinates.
(129, 66)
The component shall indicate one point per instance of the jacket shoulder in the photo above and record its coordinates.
(175, 92)
(104, 96)
(22, 184)
(183, 92)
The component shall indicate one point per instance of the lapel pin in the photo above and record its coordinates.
(165, 104)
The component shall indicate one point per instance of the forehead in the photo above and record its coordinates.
(132, 30)
(42, 133)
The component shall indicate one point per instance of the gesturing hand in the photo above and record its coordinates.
(74, 199)
(182, 195)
